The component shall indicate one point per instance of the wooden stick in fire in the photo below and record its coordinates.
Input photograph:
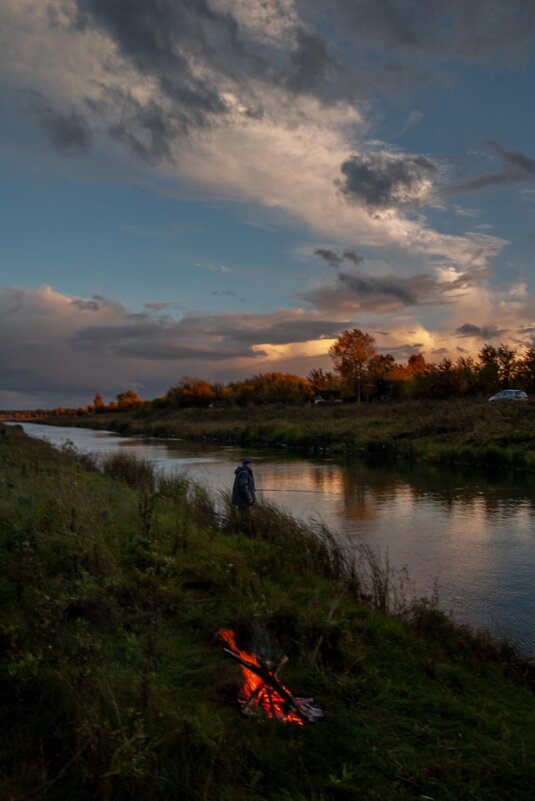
(270, 679)
(253, 697)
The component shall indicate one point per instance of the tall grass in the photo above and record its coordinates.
(464, 431)
(113, 686)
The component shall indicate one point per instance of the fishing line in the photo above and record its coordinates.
(322, 492)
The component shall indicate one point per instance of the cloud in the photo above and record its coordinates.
(160, 305)
(372, 294)
(309, 64)
(330, 256)
(517, 168)
(61, 350)
(194, 92)
(381, 180)
(162, 41)
(95, 304)
(68, 131)
(336, 259)
(227, 293)
(480, 332)
(442, 29)
(353, 257)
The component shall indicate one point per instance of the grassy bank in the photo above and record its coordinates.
(471, 432)
(114, 686)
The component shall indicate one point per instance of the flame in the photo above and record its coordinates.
(255, 693)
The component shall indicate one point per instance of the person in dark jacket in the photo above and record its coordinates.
(243, 491)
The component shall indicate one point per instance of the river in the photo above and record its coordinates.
(467, 536)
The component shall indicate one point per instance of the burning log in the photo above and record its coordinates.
(262, 688)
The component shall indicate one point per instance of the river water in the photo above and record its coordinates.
(467, 536)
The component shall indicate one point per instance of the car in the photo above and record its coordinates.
(509, 395)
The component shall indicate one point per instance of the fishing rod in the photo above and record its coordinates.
(323, 492)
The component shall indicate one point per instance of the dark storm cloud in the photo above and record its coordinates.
(197, 55)
(163, 39)
(517, 168)
(155, 37)
(309, 64)
(481, 332)
(48, 350)
(250, 329)
(382, 180)
(336, 259)
(202, 337)
(448, 29)
(149, 340)
(67, 131)
(404, 290)
(383, 293)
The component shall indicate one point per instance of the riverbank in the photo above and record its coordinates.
(464, 432)
(115, 686)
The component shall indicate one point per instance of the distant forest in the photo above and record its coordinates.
(359, 373)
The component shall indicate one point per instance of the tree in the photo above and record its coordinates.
(417, 364)
(466, 375)
(380, 373)
(488, 371)
(98, 403)
(270, 388)
(507, 366)
(191, 392)
(321, 381)
(526, 369)
(128, 399)
(351, 354)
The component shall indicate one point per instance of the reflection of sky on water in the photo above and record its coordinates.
(473, 534)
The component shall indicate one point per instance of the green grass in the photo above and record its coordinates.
(462, 431)
(113, 686)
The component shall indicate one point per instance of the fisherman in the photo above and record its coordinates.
(243, 491)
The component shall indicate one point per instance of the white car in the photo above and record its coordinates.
(509, 395)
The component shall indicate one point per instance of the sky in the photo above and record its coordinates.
(219, 188)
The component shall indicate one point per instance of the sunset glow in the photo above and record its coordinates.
(220, 194)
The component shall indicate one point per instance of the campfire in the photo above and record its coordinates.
(263, 690)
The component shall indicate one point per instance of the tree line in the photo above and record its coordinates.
(359, 373)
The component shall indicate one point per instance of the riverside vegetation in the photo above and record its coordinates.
(114, 582)
(453, 431)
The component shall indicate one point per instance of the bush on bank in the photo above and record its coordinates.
(114, 583)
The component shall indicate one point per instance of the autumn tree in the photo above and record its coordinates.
(270, 388)
(351, 354)
(190, 392)
(98, 403)
(379, 374)
(417, 364)
(128, 400)
(321, 381)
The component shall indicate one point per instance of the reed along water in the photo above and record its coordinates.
(467, 536)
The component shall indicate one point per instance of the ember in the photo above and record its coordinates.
(262, 688)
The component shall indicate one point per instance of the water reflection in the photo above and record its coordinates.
(473, 533)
